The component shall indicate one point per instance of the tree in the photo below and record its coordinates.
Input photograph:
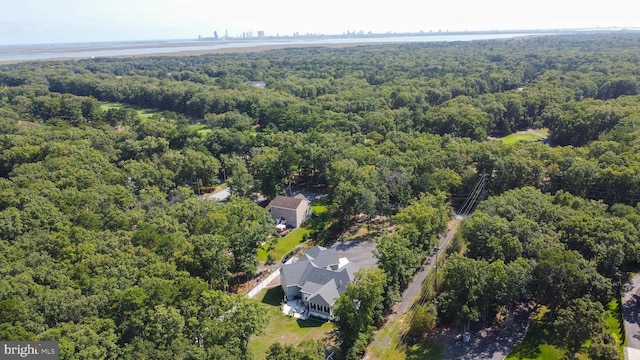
(458, 118)
(423, 320)
(240, 181)
(576, 123)
(226, 320)
(423, 220)
(519, 276)
(164, 329)
(465, 285)
(485, 234)
(439, 180)
(201, 166)
(11, 224)
(8, 121)
(10, 332)
(578, 322)
(281, 352)
(357, 309)
(120, 117)
(399, 261)
(91, 110)
(607, 240)
(355, 189)
(604, 347)
(156, 126)
(229, 120)
(92, 338)
(581, 176)
(12, 311)
(211, 259)
(349, 200)
(245, 225)
(561, 276)
(70, 109)
(268, 170)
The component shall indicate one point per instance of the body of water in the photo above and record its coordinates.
(12, 53)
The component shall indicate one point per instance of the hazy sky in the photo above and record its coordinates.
(55, 21)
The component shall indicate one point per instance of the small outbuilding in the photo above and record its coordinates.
(290, 210)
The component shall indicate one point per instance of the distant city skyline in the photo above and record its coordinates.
(67, 21)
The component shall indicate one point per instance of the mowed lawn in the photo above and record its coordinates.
(526, 136)
(143, 113)
(536, 344)
(297, 236)
(284, 329)
(201, 129)
(284, 244)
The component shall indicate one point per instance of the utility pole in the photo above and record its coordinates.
(435, 273)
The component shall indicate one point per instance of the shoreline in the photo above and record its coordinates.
(257, 48)
(11, 54)
(193, 52)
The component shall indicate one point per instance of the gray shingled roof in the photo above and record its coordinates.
(322, 284)
(314, 252)
(294, 273)
(322, 257)
(310, 287)
(286, 202)
(345, 275)
(320, 276)
(326, 295)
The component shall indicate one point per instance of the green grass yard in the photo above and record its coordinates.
(143, 113)
(147, 113)
(514, 138)
(319, 208)
(525, 136)
(201, 129)
(614, 325)
(297, 236)
(536, 345)
(284, 244)
(284, 329)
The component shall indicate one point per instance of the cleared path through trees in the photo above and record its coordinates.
(383, 338)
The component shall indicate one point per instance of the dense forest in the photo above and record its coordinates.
(106, 248)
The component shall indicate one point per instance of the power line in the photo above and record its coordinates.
(475, 195)
(477, 191)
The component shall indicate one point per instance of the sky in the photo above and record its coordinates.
(68, 21)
